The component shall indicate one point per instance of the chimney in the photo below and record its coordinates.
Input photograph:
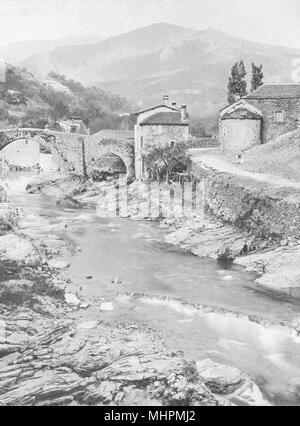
(165, 99)
(174, 104)
(183, 113)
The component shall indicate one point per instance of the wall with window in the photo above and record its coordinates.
(279, 116)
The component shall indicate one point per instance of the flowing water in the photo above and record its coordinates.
(136, 254)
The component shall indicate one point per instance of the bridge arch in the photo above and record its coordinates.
(123, 149)
(59, 143)
(75, 152)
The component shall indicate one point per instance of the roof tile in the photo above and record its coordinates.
(276, 91)
(165, 118)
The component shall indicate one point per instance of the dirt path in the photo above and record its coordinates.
(210, 159)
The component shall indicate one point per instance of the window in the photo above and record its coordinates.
(142, 141)
(279, 117)
(172, 144)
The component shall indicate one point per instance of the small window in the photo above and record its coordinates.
(172, 144)
(142, 141)
(279, 117)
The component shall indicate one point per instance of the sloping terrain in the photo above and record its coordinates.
(280, 157)
(28, 101)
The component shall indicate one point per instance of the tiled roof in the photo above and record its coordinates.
(114, 134)
(276, 91)
(159, 106)
(165, 118)
(241, 109)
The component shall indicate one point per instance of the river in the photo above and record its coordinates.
(119, 257)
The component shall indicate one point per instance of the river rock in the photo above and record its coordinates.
(84, 306)
(58, 264)
(72, 300)
(219, 379)
(107, 306)
(235, 385)
(294, 386)
(87, 325)
(280, 268)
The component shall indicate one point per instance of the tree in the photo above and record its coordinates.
(257, 77)
(237, 86)
(161, 161)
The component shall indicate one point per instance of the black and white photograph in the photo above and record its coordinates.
(149, 206)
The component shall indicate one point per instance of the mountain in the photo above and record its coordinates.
(191, 66)
(21, 50)
(29, 101)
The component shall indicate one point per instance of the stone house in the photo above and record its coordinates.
(269, 112)
(162, 124)
(74, 125)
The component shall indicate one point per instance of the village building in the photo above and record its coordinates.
(74, 125)
(163, 124)
(269, 112)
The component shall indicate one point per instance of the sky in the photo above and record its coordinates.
(269, 21)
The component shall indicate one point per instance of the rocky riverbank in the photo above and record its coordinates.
(57, 349)
(243, 223)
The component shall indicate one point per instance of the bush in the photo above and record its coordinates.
(163, 162)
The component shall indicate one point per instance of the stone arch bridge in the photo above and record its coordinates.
(72, 151)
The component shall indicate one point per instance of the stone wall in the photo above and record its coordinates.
(157, 134)
(249, 206)
(238, 135)
(271, 129)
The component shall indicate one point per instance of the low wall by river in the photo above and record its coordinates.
(248, 205)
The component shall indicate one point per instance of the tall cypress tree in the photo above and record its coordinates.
(257, 77)
(237, 85)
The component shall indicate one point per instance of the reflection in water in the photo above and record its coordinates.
(137, 254)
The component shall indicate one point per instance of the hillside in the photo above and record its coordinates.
(192, 66)
(29, 101)
(19, 51)
(279, 157)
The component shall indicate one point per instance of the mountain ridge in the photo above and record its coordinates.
(192, 66)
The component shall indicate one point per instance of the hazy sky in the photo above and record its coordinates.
(270, 21)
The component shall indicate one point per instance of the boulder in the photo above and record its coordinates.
(72, 300)
(231, 383)
(107, 306)
(58, 264)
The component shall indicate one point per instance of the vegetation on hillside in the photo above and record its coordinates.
(30, 102)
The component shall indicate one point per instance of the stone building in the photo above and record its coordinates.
(74, 125)
(162, 124)
(269, 112)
